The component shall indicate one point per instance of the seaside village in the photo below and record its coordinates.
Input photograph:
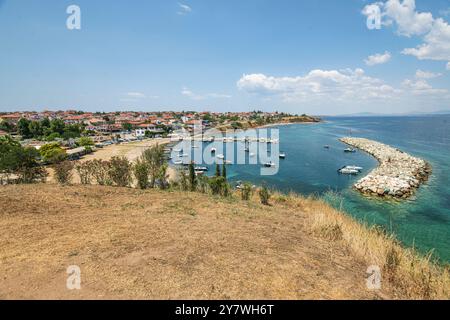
(69, 127)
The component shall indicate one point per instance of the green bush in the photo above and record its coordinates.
(246, 191)
(120, 171)
(101, 172)
(64, 172)
(52, 153)
(264, 195)
(141, 172)
(85, 171)
(154, 157)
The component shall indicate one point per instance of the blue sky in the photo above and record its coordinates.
(314, 57)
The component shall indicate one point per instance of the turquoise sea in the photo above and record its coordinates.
(309, 168)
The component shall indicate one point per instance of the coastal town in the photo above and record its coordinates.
(36, 128)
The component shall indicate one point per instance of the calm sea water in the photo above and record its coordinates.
(423, 222)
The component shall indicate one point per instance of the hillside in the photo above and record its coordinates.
(172, 245)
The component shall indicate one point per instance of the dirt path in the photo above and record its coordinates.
(165, 245)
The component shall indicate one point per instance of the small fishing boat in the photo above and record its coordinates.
(199, 173)
(348, 171)
(202, 169)
(350, 150)
(177, 150)
(184, 155)
(228, 162)
(327, 147)
(282, 155)
(220, 156)
(269, 164)
(354, 168)
(251, 154)
(178, 162)
(213, 150)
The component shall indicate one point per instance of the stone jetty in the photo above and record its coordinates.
(398, 175)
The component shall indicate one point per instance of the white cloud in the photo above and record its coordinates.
(188, 93)
(136, 95)
(426, 74)
(183, 9)
(347, 87)
(422, 87)
(435, 33)
(409, 21)
(340, 85)
(378, 58)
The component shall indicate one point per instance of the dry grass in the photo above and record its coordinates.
(408, 274)
(171, 245)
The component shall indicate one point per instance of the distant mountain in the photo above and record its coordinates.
(373, 114)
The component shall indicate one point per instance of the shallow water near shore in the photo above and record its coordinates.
(422, 222)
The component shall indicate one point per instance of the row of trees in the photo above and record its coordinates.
(46, 129)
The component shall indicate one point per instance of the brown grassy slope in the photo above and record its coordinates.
(172, 245)
(160, 245)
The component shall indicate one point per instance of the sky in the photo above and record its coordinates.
(299, 56)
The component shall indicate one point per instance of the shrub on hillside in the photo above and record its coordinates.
(154, 157)
(100, 172)
(85, 171)
(120, 171)
(264, 195)
(141, 172)
(246, 191)
(64, 172)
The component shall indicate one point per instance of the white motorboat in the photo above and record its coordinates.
(178, 162)
(282, 155)
(354, 168)
(213, 150)
(220, 156)
(348, 171)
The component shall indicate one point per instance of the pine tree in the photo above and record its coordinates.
(192, 177)
(218, 170)
(224, 171)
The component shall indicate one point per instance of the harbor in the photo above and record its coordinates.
(398, 174)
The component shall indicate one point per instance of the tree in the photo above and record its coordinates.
(23, 127)
(192, 177)
(224, 171)
(85, 142)
(154, 157)
(35, 129)
(127, 126)
(218, 174)
(52, 153)
(57, 125)
(141, 172)
(15, 159)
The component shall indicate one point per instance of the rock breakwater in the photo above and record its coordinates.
(398, 175)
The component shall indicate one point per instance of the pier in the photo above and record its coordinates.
(398, 174)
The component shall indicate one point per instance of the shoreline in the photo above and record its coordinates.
(398, 174)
